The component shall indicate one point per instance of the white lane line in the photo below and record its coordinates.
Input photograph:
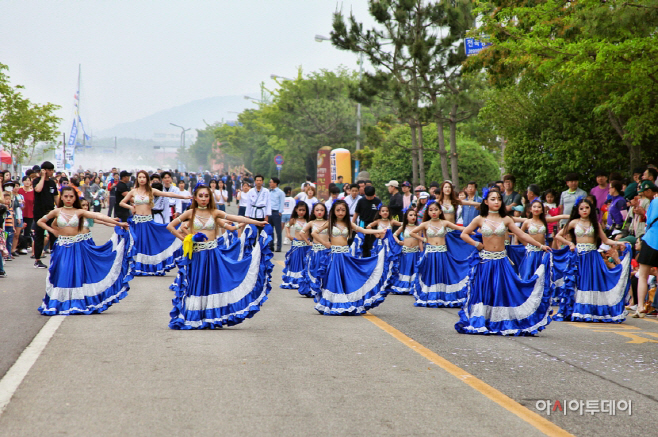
(15, 375)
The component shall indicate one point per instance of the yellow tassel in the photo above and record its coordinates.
(188, 246)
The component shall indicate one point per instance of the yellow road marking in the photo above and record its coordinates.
(534, 419)
(649, 320)
(603, 327)
(636, 339)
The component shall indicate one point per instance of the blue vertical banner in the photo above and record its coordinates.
(69, 151)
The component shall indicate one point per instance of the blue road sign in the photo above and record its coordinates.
(474, 46)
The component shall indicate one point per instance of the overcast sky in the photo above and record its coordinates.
(139, 57)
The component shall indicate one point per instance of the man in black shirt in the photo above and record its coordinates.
(122, 190)
(364, 214)
(45, 198)
(396, 204)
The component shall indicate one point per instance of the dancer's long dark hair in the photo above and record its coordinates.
(454, 200)
(146, 187)
(295, 213)
(484, 208)
(76, 204)
(378, 216)
(211, 205)
(324, 208)
(542, 216)
(405, 220)
(592, 217)
(333, 219)
(426, 216)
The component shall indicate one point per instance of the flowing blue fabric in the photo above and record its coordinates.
(388, 243)
(407, 271)
(516, 253)
(499, 302)
(156, 249)
(293, 271)
(596, 293)
(356, 248)
(441, 281)
(458, 248)
(315, 259)
(88, 279)
(214, 290)
(561, 279)
(352, 286)
(227, 238)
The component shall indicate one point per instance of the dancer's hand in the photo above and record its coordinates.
(545, 248)
(123, 225)
(572, 247)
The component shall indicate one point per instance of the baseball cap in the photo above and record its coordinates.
(393, 184)
(424, 195)
(648, 185)
(420, 188)
(124, 173)
(603, 248)
(406, 184)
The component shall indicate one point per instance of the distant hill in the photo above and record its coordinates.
(190, 115)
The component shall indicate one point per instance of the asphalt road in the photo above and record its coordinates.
(291, 371)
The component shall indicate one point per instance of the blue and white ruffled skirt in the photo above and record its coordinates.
(352, 286)
(500, 302)
(87, 279)
(393, 249)
(293, 271)
(407, 270)
(442, 280)
(156, 249)
(214, 289)
(315, 259)
(595, 292)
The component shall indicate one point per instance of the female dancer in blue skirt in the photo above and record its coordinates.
(449, 203)
(84, 278)
(212, 289)
(594, 292)
(442, 278)
(411, 253)
(387, 242)
(318, 255)
(536, 227)
(498, 300)
(156, 250)
(293, 270)
(350, 286)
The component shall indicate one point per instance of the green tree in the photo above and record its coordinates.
(390, 160)
(24, 124)
(550, 135)
(605, 49)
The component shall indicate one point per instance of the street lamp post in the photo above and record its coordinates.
(276, 76)
(357, 164)
(182, 134)
(253, 98)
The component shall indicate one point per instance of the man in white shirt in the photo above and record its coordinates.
(258, 201)
(160, 204)
(309, 181)
(353, 198)
(175, 206)
(277, 199)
